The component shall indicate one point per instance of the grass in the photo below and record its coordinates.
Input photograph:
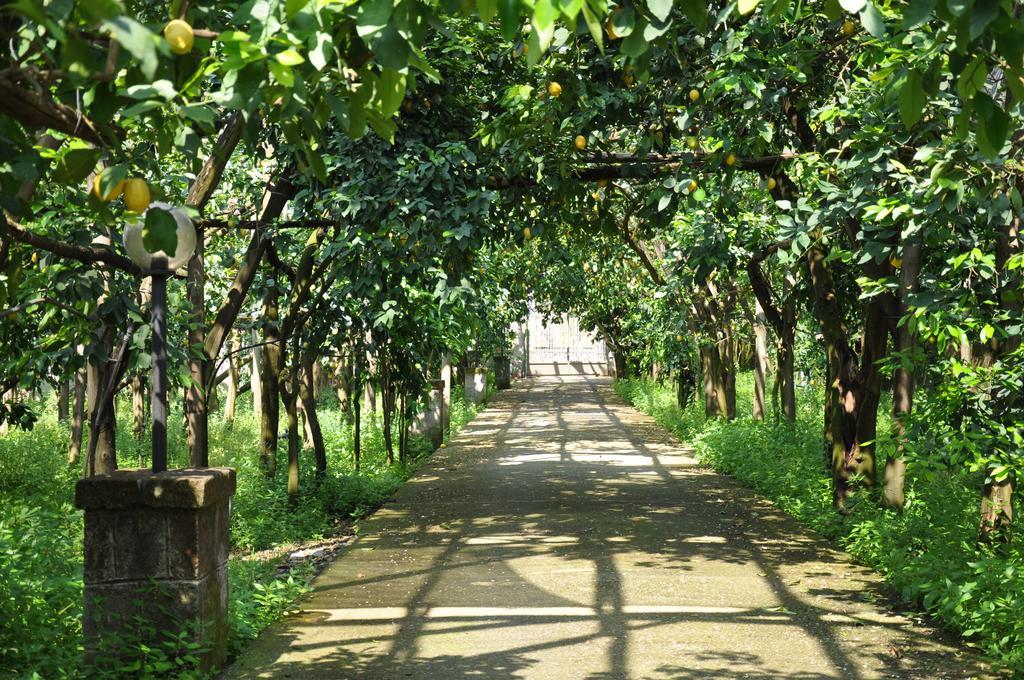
(929, 553)
(41, 531)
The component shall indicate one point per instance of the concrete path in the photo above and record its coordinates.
(565, 535)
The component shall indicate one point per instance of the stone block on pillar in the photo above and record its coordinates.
(476, 385)
(502, 372)
(428, 421)
(156, 556)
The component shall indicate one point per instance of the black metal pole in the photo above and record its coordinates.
(159, 368)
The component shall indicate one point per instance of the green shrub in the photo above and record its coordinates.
(41, 533)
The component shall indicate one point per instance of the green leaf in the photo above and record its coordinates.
(747, 6)
(487, 9)
(973, 77)
(138, 40)
(958, 7)
(508, 12)
(391, 49)
(697, 12)
(290, 57)
(544, 15)
(293, 7)
(110, 177)
(593, 25)
(321, 50)
(158, 88)
(660, 8)
(917, 12)
(635, 45)
(871, 18)
(373, 16)
(993, 125)
(622, 21)
(199, 113)
(390, 92)
(570, 8)
(160, 232)
(282, 74)
(912, 98)
(76, 164)
(983, 14)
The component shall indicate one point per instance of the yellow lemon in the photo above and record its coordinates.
(694, 95)
(527, 234)
(771, 183)
(730, 160)
(679, 337)
(112, 194)
(849, 27)
(692, 186)
(581, 142)
(179, 36)
(136, 195)
(691, 143)
(554, 89)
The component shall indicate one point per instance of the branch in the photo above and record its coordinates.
(36, 111)
(639, 249)
(209, 177)
(256, 224)
(763, 291)
(87, 254)
(44, 300)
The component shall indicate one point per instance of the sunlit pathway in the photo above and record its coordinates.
(565, 535)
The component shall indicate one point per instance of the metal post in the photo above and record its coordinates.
(159, 368)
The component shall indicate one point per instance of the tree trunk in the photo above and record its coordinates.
(139, 405)
(101, 453)
(270, 383)
(196, 404)
(62, 400)
(77, 417)
(307, 395)
(387, 391)
(997, 499)
(403, 426)
(760, 360)
(903, 376)
(290, 397)
(369, 377)
(256, 373)
(356, 424)
(852, 391)
(997, 509)
(232, 394)
(719, 396)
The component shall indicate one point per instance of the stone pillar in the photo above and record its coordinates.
(428, 421)
(156, 559)
(502, 377)
(476, 385)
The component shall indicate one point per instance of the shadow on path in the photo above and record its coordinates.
(565, 535)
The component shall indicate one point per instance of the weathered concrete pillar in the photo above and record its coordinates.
(428, 420)
(156, 559)
(476, 385)
(502, 374)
